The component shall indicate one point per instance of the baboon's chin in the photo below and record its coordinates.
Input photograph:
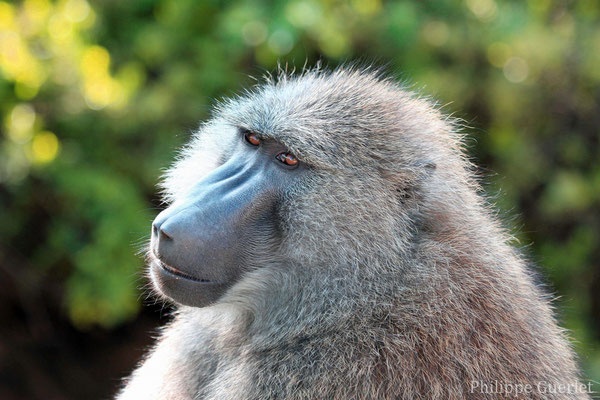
(184, 289)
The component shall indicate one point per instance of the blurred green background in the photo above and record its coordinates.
(97, 96)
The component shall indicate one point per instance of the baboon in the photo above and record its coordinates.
(326, 238)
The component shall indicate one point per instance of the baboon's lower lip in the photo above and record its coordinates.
(181, 274)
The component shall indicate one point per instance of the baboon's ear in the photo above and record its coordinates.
(424, 168)
(409, 182)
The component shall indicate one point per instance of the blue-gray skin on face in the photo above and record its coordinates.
(203, 243)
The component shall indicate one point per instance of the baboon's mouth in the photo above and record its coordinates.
(181, 274)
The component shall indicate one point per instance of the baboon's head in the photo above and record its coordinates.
(311, 172)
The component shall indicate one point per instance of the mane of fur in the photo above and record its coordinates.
(394, 279)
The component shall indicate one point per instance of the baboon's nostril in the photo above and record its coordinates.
(164, 235)
(159, 232)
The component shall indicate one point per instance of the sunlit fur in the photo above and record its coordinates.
(394, 280)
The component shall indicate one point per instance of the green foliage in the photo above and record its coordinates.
(97, 96)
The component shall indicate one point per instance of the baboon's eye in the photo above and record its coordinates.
(287, 159)
(252, 138)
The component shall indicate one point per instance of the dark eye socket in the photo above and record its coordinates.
(287, 159)
(284, 157)
(252, 138)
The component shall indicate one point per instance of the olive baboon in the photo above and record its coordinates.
(326, 239)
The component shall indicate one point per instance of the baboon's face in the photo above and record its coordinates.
(226, 221)
(243, 204)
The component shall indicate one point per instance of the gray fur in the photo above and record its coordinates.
(394, 279)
